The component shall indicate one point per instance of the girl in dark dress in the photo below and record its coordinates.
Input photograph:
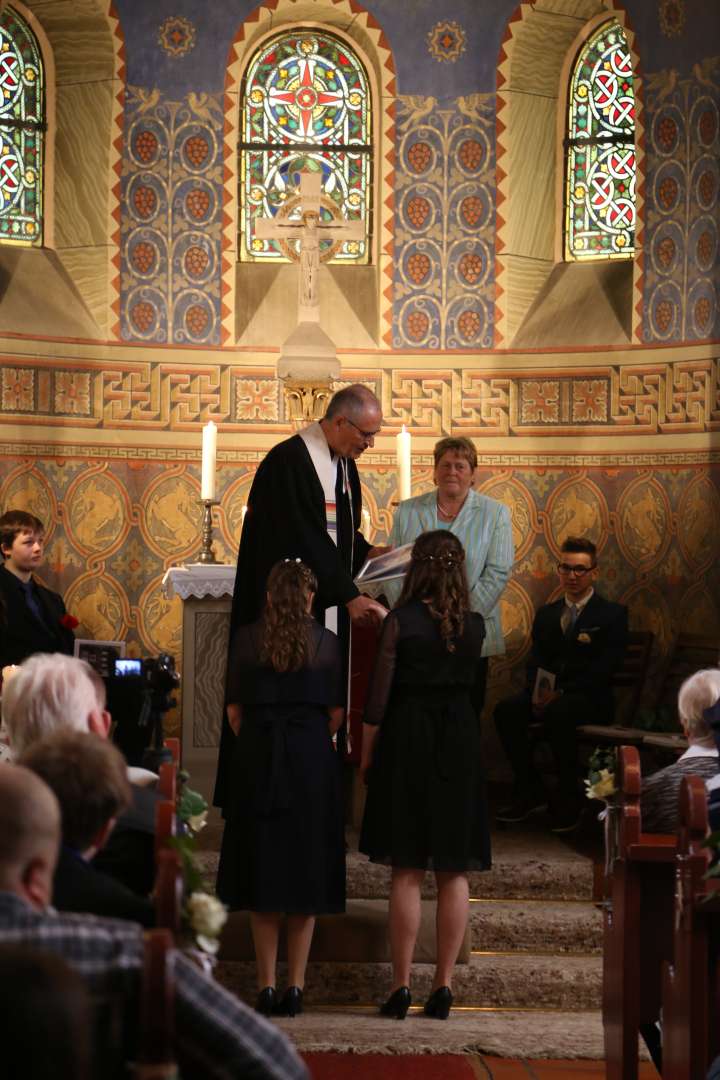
(421, 758)
(283, 849)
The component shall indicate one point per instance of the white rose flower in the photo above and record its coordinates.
(198, 821)
(207, 915)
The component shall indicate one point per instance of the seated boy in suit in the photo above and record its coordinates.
(579, 639)
(32, 618)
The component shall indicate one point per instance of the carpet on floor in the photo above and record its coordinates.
(454, 1067)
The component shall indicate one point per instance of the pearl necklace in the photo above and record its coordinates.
(451, 515)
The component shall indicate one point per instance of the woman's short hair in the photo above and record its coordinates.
(456, 445)
(698, 693)
(48, 691)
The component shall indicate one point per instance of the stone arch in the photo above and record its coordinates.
(533, 285)
(371, 285)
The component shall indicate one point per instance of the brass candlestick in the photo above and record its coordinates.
(207, 552)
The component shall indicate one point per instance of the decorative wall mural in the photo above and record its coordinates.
(444, 232)
(658, 397)
(656, 530)
(681, 264)
(170, 224)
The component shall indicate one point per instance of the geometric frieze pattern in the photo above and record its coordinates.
(682, 396)
(115, 526)
(445, 220)
(682, 193)
(171, 219)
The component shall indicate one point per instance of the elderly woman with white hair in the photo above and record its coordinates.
(659, 800)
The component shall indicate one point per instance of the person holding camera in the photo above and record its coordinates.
(283, 850)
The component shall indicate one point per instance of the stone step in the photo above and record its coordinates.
(534, 866)
(562, 927)
(536, 926)
(490, 980)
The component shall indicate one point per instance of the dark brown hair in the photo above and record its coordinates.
(14, 522)
(456, 445)
(285, 638)
(579, 545)
(437, 576)
(88, 776)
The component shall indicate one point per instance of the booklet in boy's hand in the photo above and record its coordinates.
(393, 564)
(544, 686)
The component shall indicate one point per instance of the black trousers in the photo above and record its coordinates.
(513, 717)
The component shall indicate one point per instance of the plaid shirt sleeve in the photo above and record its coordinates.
(219, 1038)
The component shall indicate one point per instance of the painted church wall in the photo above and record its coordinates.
(101, 438)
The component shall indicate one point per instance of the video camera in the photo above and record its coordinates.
(139, 694)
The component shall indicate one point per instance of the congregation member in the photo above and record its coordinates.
(305, 501)
(425, 806)
(216, 1037)
(283, 851)
(46, 1017)
(660, 791)
(33, 619)
(52, 692)
(578, 643)
(483, 527)
(88, 777)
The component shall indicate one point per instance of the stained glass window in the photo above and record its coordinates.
(306, 107)
(600, 191)
(22, 125)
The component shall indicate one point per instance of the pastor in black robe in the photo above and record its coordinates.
(286, 519)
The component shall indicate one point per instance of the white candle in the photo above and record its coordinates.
(366, 523)
(209, 452)
(404, 461)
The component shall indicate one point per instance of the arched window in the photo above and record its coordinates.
(305, 106)
(22, 132)
(600, 176)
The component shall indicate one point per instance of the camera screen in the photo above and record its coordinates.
(128, 667)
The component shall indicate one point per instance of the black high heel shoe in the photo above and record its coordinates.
(439, 1003)
(292, 1002)
(266, 1002)
(397, 1004)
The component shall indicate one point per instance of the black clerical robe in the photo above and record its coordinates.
(286, 519)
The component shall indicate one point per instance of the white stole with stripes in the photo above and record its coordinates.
(326, 467)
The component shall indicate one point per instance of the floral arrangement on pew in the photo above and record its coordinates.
(203, 914)
(601, 785)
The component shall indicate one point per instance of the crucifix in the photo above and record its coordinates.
(310, 230)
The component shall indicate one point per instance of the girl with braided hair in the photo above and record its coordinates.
(425, 806)
(283, 849)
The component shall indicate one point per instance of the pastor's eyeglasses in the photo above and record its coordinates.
(367, 435)
(579, 571)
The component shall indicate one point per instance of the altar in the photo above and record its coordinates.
(206, 592)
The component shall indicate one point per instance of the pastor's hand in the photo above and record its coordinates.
(375, 551)
(365, 612)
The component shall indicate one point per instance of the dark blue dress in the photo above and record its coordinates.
(283, 847)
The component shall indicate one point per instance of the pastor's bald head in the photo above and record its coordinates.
(29, 832)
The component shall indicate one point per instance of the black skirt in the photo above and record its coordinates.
(426, 806)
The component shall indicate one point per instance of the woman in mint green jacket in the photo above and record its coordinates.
(484, 529)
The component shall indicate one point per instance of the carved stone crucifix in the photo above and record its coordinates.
(310, 230)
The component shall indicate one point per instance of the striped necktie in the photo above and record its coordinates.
(573, 612)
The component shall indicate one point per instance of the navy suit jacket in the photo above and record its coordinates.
(21, 633)
(584, 661)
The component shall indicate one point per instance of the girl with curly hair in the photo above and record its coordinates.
(283, 849)
(421, 759)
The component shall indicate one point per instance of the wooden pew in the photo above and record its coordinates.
(173, 745)
(156, 1036)
(165, 825)
(691, 1003)
(168, 891)
(167, 782)
(637, 923)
